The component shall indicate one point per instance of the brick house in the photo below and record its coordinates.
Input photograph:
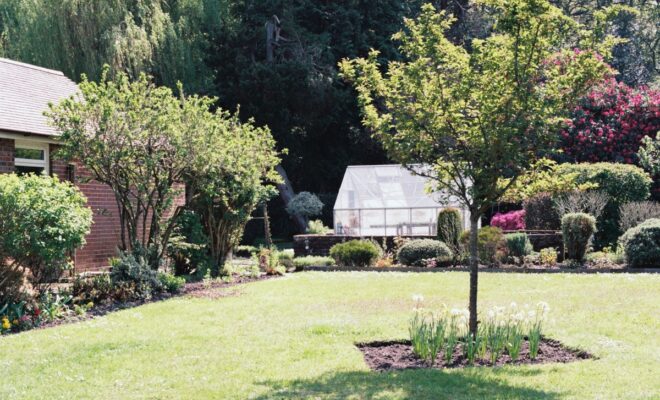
(28, 144)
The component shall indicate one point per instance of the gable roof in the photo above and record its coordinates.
(25, 91)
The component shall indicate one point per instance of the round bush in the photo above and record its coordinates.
(355, 253)
(641, 244)
(42, 221)
(415, 251)
(577, 229)
(305, 204)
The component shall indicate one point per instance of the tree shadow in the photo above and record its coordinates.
(406, 384)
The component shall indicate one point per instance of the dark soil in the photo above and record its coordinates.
(397, 355)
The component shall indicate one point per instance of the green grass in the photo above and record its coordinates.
(293, 338)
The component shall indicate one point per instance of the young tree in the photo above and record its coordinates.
(139, 139)
(231, 183)
(475, 117)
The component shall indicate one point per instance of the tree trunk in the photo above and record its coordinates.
(269, 239)
(286, 194)
(474, 270)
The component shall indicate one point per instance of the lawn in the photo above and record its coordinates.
(293, 338)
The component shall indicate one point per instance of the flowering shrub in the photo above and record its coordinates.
(502, 329)
(610, 123)
(511, 221)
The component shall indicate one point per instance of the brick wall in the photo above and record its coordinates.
(104, 238)
(6, 156)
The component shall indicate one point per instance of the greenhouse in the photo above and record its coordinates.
(388, 200)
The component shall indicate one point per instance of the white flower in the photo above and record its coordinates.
(543, 307)
(513, 305)
(417, 298)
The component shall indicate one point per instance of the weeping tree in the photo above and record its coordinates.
(232, 180)
(163, 38)
(474, 117)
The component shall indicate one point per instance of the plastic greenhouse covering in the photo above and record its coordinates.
(388, 200)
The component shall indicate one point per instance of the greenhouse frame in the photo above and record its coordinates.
(389, 200)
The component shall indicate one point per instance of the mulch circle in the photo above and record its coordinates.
(398, 355)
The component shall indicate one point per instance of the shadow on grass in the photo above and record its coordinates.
(407, 384)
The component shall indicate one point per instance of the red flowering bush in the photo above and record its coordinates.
(610, 123)
(511, 221)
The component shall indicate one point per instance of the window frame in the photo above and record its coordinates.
(33, 145)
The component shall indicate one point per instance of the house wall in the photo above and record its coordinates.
(104, 237)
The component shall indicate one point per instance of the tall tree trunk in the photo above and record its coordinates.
(474, 270)
(286, 194)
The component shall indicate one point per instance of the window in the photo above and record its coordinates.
(31, 157)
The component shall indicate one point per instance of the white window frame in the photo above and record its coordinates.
(26, 162)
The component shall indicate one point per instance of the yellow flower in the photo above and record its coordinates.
(5, 323)
(90, 304)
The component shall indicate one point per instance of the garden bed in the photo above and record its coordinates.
(212, 290)
(398, 355)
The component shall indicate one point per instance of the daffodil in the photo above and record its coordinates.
(5, 324)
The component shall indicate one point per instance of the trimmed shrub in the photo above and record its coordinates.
(623, 183)
(450, 227)
(518, 244)
(577, 230)
(540, 213)
(312, 261)
(42, 221)
(414, 252)
(511, 221)
(641, 244)
(355, 253)
(490, 242)
(305, 204)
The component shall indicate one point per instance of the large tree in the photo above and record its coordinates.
(474, 117)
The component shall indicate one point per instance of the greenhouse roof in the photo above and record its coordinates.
(384, 186)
